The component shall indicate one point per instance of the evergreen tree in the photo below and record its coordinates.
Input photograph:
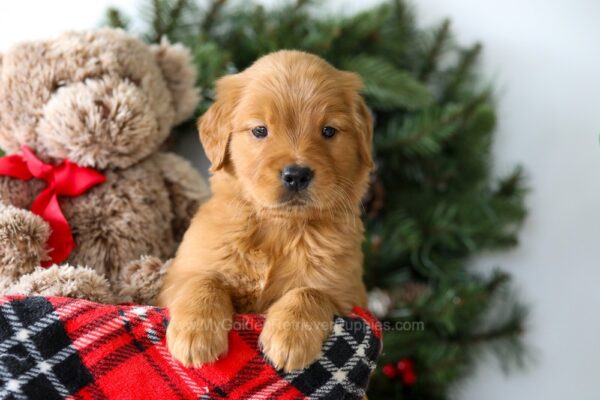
(434, 202)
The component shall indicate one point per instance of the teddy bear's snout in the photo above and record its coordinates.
(102, 123)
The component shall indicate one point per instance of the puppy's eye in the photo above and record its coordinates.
(260, 131)
(329, 132)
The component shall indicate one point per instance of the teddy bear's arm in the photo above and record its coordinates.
(187, 189)
(140, 280)
(23, 235)
(63, 281)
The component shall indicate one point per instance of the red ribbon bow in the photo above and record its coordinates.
(64, 179)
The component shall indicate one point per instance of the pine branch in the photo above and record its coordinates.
(157, 23)
(210, 18)
(431, 60)
(512, 184)
(301, 4)
(501, 333)
(115, 19)
(465, 66)
(386, 86)
(423, 133)
(497, 281)
(165, 17)
(175, 15)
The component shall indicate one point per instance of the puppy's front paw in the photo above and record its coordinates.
(293, 344)
(196, 339)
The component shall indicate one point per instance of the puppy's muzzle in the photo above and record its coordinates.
(296, 178)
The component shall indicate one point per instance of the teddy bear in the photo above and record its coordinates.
(89, 204)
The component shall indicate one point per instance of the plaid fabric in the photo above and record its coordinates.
(56, 348)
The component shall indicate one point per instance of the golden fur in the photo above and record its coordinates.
(250, 248)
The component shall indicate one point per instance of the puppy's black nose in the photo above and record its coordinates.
(296, 178)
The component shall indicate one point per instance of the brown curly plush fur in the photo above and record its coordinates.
(23, 236)
(141, 280)
(64, 281)
(103, 100)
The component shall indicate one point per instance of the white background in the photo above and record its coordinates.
(544, 59)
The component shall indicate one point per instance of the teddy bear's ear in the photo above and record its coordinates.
(175, 62)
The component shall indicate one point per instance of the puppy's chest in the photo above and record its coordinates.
(248, 281)
(266, 273)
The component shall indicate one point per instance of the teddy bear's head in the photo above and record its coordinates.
(101, 99)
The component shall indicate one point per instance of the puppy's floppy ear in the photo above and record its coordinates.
(365, 123)
(215, 125)
(362, 116)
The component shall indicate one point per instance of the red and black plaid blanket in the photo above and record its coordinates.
(56, 348)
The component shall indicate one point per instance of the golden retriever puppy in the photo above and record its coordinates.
(289, 140)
